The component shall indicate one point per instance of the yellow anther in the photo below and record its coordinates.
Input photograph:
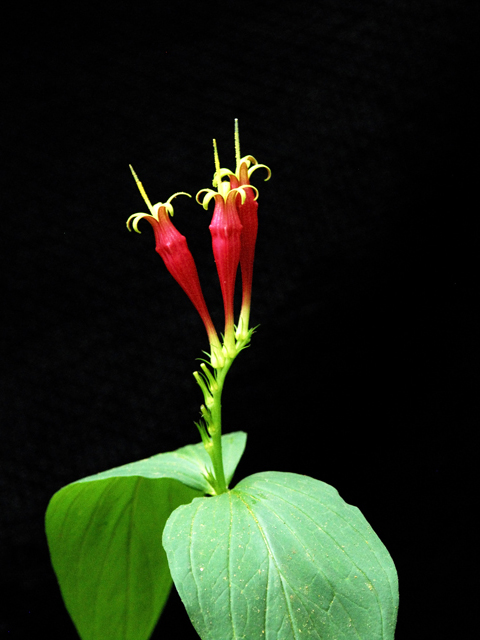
(141, 189)
(216, 158)
(223, 186)
(237, 145)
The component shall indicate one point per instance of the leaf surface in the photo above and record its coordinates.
(187, 464)
(105, 538)
(281, 557)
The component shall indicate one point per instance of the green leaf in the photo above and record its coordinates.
(188, 464)
(105, 531)
(281, 557)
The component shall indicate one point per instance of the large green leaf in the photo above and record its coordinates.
(105, 531)
(187, 464)
(281, 557)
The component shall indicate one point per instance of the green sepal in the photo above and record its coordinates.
(281, 557)
(105, 538)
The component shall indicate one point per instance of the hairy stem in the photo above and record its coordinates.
(215, 429)
(211, 384)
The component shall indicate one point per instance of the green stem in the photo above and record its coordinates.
(210, 428)
(215, 429)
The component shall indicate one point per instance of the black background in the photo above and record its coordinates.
(364, 370)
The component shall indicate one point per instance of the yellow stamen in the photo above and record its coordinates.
(223, 186)
(217, 159)
(237, 145)
(141, 189)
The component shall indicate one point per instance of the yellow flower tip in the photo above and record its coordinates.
(197, 196)
(260, 166)
(242, 193)
(222, 186)
(136, 217)
(250, 186)
(168, 206)
(248, 160)
(128, 222)
(209, 194)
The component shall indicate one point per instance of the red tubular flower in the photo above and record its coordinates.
(226, 230)
(247, 211)
(173, 249)
(234, 233)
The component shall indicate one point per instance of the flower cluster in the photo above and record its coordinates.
(234, 232)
